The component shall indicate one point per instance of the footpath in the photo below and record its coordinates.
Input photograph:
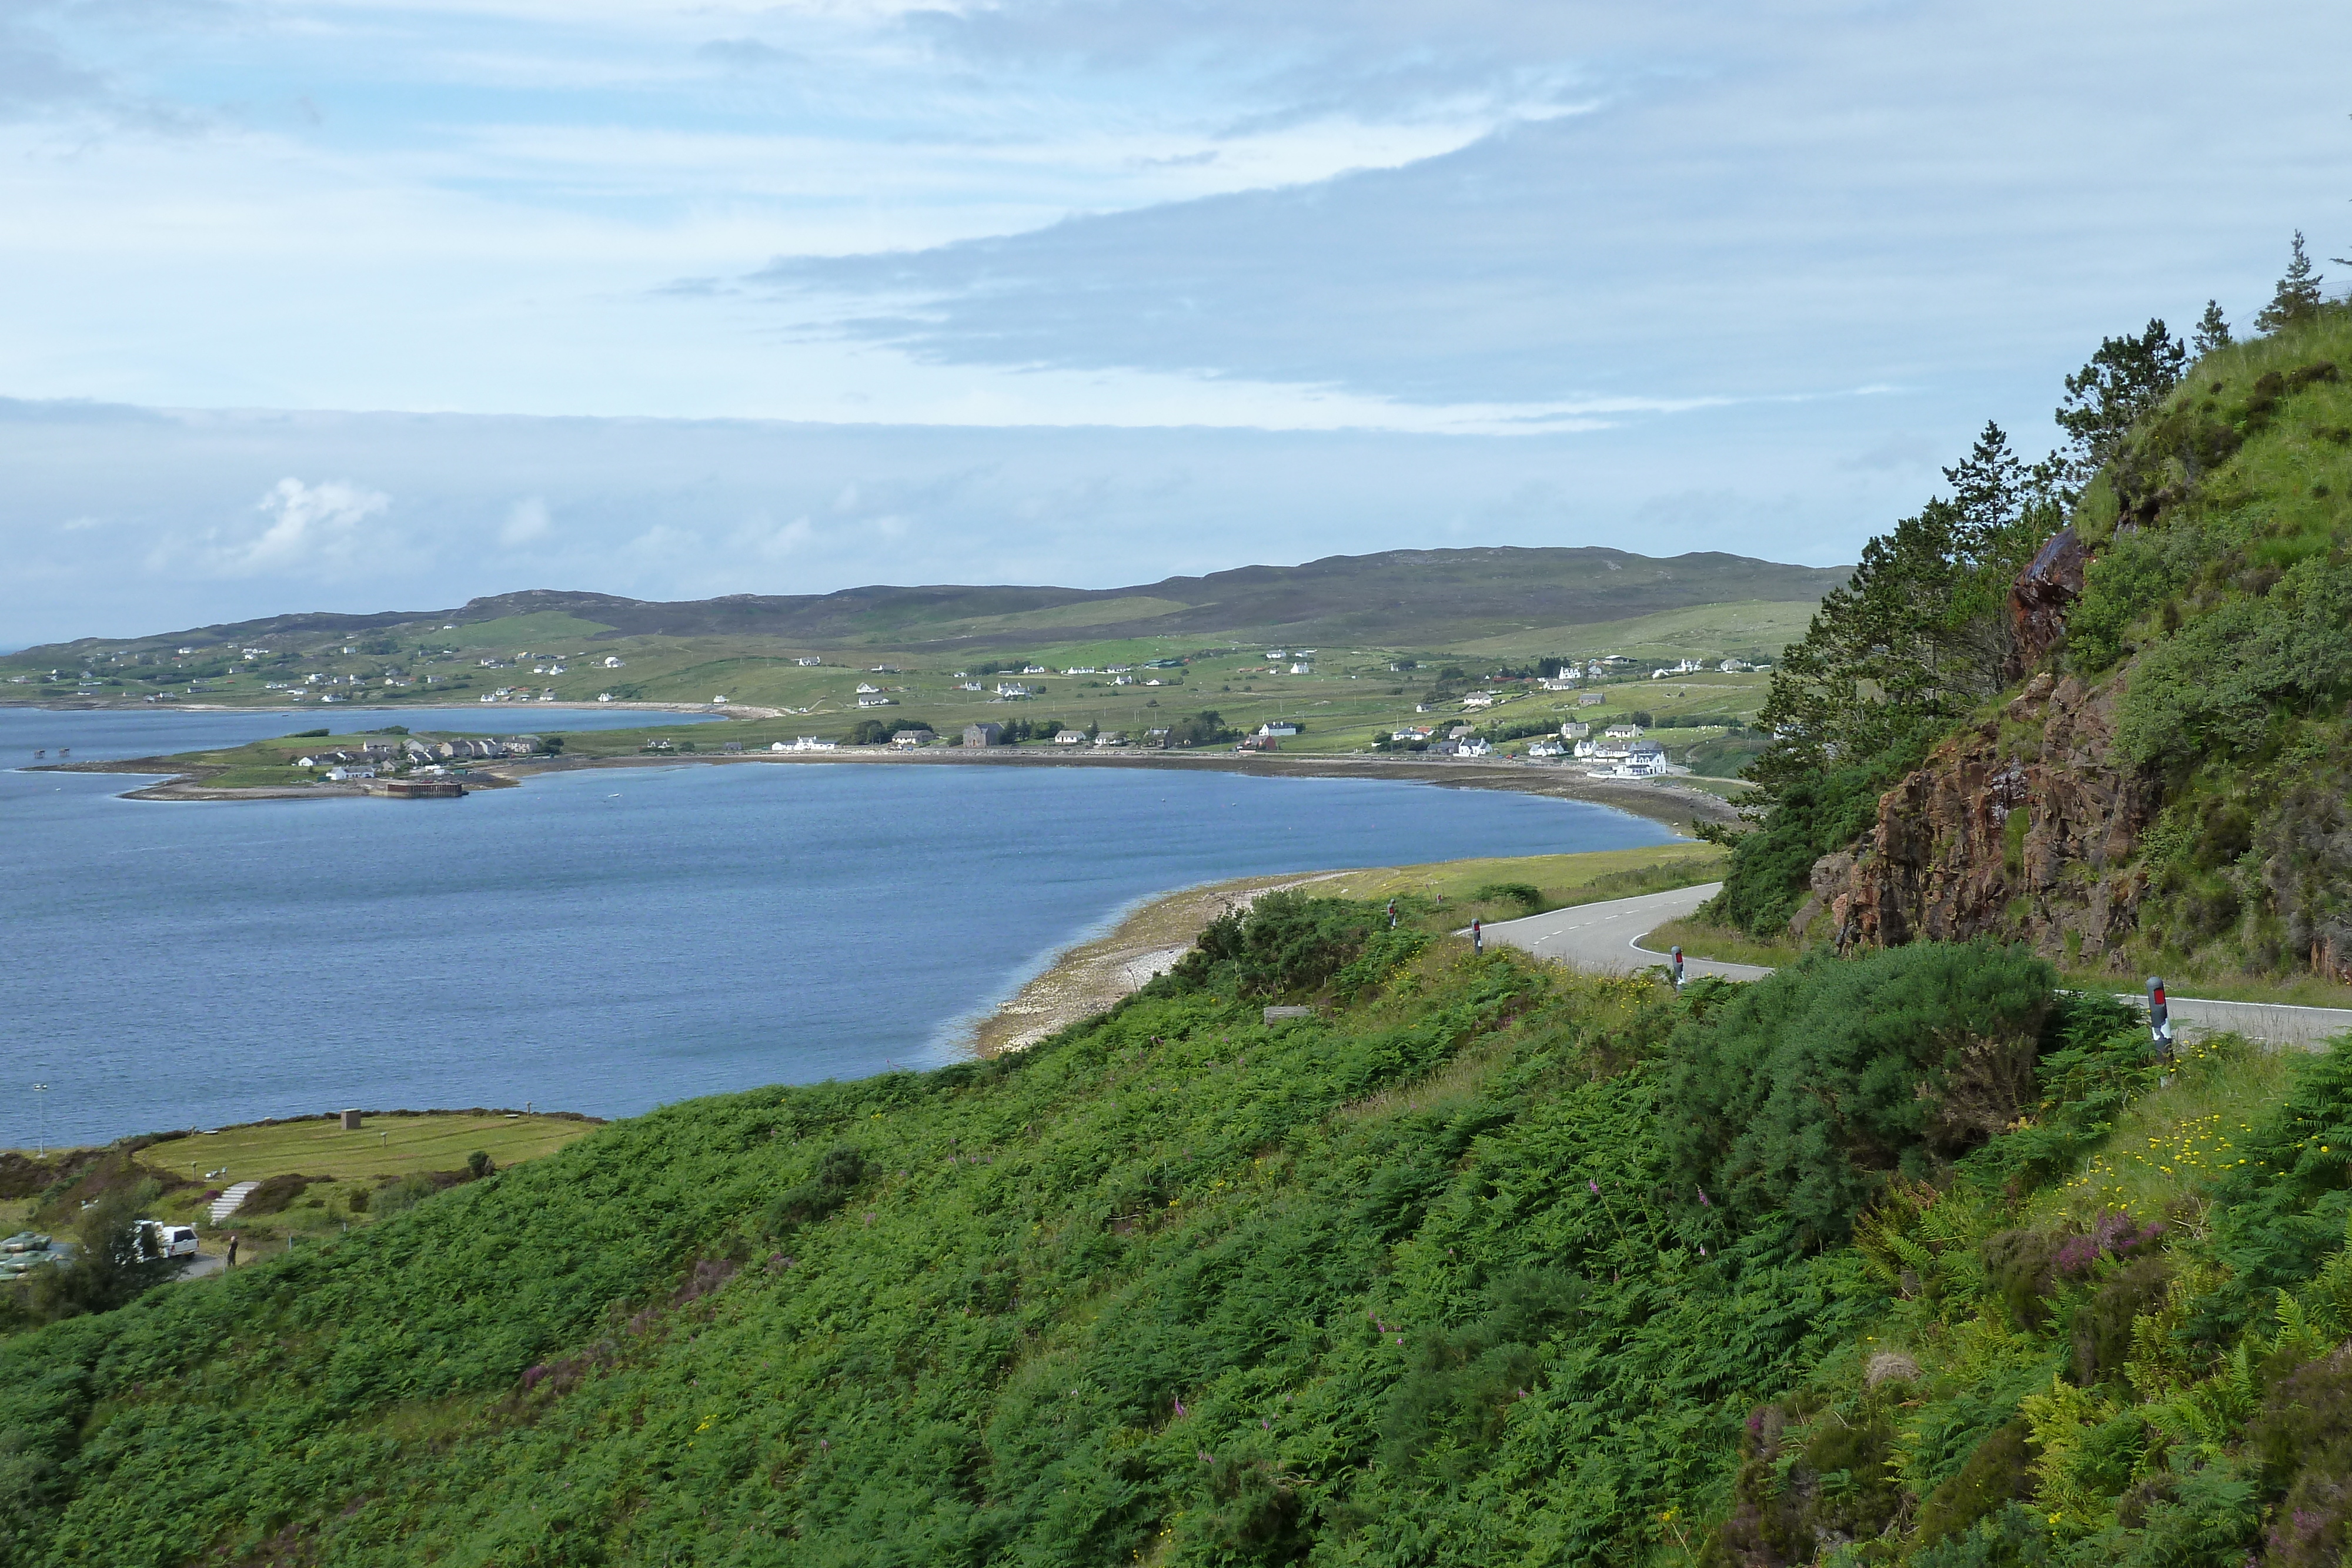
(1606, 938)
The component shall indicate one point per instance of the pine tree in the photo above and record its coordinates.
(2125, 379)
(1988, 487)
(2213, 332)
(2298, 296)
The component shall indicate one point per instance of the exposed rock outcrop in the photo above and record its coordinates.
(2018, 828)
(2040, 598)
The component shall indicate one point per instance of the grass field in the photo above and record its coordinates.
(385, 1147)
(341, 1166)
(1564, 880)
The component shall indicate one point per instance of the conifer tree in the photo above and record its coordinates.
(2125, 379)
(2212, 331)
(2298, 296)
(1988, 487)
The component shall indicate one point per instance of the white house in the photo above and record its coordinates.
(1069, 738)
(1574, 730)
(1547, 748)
(1641, 764)
(1478, 700)
(804, 743)
(875, 702)
(1735, 666)
(808, 661)
(1276, 730)
(1475, 746)
(718, 699)
(863, 689)
(1110, 738)
(1302, 669)
(1015, 689)
(1624, 732)
(613, 661)
(967, 686)
(1410, 733)
(604, 697)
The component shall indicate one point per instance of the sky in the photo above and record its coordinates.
(330, 304)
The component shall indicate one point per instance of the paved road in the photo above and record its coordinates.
(1602, 937)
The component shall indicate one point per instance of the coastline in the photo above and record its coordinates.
(1084, 979)
(1668, 800)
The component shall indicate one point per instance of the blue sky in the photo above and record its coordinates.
(330, 304)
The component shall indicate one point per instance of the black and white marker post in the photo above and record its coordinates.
(2159, 1020)
(1679, 966)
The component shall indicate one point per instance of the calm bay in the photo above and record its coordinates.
(601, 941)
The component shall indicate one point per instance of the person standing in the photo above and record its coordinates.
(232, 1249)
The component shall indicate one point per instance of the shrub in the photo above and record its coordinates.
(1463, 1380)
(113, 1265)
(276, 1195)
(830, 1184)
(1525, 892)
(477, 1165)
(1287, 943)
(404, 1195)
(1999, 1469)
(1801, 1093)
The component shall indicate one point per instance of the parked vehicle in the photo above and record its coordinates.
(159, 1239)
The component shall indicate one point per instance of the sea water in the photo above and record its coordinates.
(604, 940)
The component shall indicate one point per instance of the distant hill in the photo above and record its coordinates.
(1398, 598)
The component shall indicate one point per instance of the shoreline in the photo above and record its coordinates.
(1092, 976)
(1668, 802)
(732, 710)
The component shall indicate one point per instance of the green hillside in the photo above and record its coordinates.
(1399, 599)
(1500, 608)
(2125, 742)
(1909, 1259)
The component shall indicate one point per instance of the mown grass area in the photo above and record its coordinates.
(385, 1146)
(345, 1171)
(1483, 1262)
(1558, 881)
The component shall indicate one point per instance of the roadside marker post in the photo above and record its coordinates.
(2159, 1024)
(1679, 966)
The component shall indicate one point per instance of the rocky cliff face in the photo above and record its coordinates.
(2020, 828)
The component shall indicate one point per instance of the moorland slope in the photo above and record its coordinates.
(1398, 599)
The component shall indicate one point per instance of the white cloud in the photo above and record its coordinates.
(309, 529)
(527, 522)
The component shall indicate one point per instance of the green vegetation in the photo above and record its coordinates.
(1206, 649)
(316, 1179)
(1473, 889)
(2215, 616)
(1481, 1262)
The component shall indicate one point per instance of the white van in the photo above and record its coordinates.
(168, 1241)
